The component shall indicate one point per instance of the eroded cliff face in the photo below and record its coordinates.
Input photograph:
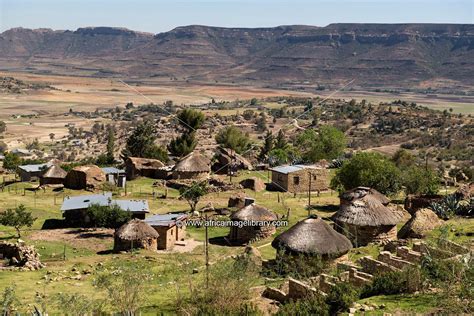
(372, 53)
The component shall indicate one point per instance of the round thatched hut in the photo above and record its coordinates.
(364, 217)
(84, 177)
(192, 166)
(53, 175)
(312, 237)
(249, 231)
(135, 234)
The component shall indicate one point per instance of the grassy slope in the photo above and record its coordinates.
(170, 268)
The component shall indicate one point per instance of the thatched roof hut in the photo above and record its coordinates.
(364, 218)
(135, 234)
(192, 166)
(53, 175)
(312, 236)
(84, 177)
(228, 160)
(248, 232)
(143, 167)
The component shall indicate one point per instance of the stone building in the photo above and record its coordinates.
(143, 167)
(170, 227)
(192, 166)
(300, 178)
(364, 217)
(88, 177)
(248, 233)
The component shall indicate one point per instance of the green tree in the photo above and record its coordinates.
(17, 218)
(232, 137)
(370, 170)
(141, 139)
(110, 216)
(403, 158)
(278, 156)
(280, 141)
(193, 193)
(419, 180)
(11, 161)
(326, 143)
(110, 144)
(191, 119)
(267, 146)
(183, 145)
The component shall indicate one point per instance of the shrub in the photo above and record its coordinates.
(313, 305)
(396, 282)
(340, 297)
(370, 170)
(452, 206)
(111, 216)
(419, 180)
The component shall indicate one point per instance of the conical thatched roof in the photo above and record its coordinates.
(56, 172)
(136, 230)
(254, 212)
(194, 162)
(364, 207)
(312, 236)
(145, 163)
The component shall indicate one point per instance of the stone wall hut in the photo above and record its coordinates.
(252, 212)
(364, 217)
(299, 178)
(228, 160)
(135, 234)
(312, 237)
(192, 166)
(53, 175)
(142, 167)
(170, 227)
(85, 178)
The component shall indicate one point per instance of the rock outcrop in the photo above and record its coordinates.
(20, 255)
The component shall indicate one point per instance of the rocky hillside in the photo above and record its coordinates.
(376, 55)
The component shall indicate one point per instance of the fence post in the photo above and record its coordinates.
(64, 253)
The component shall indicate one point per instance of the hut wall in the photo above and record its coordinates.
(363, 235)
(76, 180)
(26, 176)
(124, 245)
(298, 181)
(130, 170)
(44, 181)
(167, 237)
(189, 175)
(76, 218)
(248, 233)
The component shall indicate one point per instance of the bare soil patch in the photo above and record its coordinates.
(97, 239)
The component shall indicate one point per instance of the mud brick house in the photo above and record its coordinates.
(300, 178)
(31, 172)
(143, 167)
(169, 227)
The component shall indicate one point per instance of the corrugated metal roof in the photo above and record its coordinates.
(289, 169)
(165, 219)
(34, 168)
(84, 201)
(112, 170)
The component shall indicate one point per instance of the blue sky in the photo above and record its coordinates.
(162, 15)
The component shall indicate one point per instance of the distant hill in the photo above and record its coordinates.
(376, 55)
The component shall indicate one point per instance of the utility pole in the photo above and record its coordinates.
(207, 253)
(232, 162)
(309, 194)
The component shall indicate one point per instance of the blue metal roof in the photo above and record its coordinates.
(289, 169)
(112, 170)
(165, 219)
(84, 201)
(34, 168)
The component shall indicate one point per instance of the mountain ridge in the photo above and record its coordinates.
(376, 54)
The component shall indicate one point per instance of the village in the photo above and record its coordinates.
(323, 208)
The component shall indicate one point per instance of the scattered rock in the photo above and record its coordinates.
(423, 221)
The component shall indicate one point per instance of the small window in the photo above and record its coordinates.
(314, 177)
(296, 180)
